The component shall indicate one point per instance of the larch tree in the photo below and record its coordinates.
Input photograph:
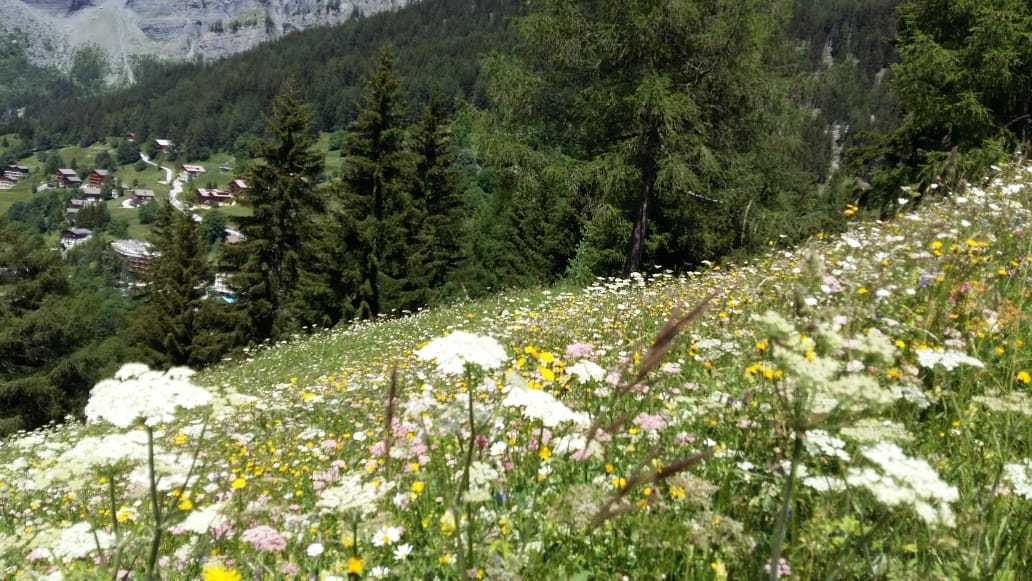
(656, 98)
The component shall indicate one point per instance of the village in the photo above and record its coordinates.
(131, 194)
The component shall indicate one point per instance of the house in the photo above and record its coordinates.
(213, 197)
(237, 186)
(73, 207)
(163, 144)
(72, 237)
(136, 255)
(68, 178)
(130, 137)
(194, 171)
(91, 194)
(7, 183)
(141, 197)
(16, 172)
(221, 288)
(97, 177)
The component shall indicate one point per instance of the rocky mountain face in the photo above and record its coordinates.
(174, 29)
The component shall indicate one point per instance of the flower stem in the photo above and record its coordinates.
(152, 561)
(786, 508)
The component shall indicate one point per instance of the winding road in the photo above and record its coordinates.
(176, 187)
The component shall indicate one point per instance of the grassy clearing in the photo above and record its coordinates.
(891, 391)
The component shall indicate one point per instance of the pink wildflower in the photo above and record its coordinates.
(264, 538)
(574, 350)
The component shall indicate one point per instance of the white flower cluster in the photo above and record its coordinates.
(202, 520)
(138, 393)
(351, 494)
(821, 443)
(903, 480)
(948, 360)
(481, 476)
(74, 542)
(540, 405)
(1019, 476)
(452, 352)
(587, 371)
(92, 452)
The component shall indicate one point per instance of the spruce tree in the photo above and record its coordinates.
(168, 324)
(438, 201)
(379, 215)
(273, 259)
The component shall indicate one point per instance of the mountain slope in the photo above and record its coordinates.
(208, 107)
(297, 473)
(178, 29)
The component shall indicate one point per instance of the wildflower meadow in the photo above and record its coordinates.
(854, 408)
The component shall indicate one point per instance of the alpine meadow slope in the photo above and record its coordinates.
(857, 407)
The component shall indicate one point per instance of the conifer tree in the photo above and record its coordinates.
(379, 215)
(169, 322)
(273, 259)
(438, 201)
(657, 99)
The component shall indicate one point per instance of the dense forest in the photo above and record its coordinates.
(219, 105)
(491, 145)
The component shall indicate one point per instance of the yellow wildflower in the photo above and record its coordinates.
(355, 566)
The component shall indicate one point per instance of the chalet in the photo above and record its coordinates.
(213, 197)
(91, 194)
(72, 237)
(237, 186)
(163, 144)
(73, 207)
(16, 172)
(141, 197)
(97, 177)
(130, 137)
(68, 178)
(194, 171)
(136, 255)
(225, 167)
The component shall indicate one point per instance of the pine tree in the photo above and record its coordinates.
(169, 322)
(379, 215)
(273, 259)
(436, 195)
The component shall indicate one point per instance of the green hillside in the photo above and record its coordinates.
(885, 369)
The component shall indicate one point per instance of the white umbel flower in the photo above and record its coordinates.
(452, 352)
(903, 480)
(351, 494)
(1019, 476)
(150, 396)
(541, 405)
(948, 360)
(587, 371)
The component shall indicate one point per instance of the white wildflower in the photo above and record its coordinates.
(78, 541)
(541, 405)
(386, 536)
(481, 476)
(202, 520)
(948, 360)
(821, 443)
(151, 396)
(1019, 476)
(351, 494)
(586, 371)
(452, 352)
(903, 480)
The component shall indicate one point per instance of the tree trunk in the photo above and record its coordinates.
(641, 226)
